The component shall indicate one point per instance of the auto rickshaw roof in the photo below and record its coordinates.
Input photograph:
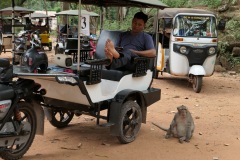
(37, 15)
(171, 12)
(119, 3)
(75, 13)
(19, 11)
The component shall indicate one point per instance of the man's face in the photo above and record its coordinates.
(137, 25)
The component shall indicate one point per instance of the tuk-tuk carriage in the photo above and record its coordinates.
(6, 27)
(85, 88)
(187, 44)
(68, 34)
(90, 88)
(40, 21)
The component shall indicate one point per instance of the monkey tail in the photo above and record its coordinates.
(164, 129)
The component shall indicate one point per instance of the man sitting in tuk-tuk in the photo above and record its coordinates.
(134, 43)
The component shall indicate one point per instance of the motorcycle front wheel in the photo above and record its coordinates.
(28, 118)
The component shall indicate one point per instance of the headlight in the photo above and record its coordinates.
(183, 49)
(212, 50)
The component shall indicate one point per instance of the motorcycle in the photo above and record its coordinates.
(21, 44)
(35, 59)
(18, 118)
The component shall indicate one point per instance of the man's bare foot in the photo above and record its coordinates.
(110, 46)
(108, 54)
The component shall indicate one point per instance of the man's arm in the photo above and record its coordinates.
(146, 53)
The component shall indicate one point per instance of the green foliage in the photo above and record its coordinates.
(233, 27)
(211, 4)
(178, 3)
(112, 23)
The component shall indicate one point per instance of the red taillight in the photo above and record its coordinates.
(30, 61)
(2, 106)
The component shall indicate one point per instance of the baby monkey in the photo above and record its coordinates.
(182, 126)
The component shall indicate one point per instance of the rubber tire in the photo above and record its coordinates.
(197, 83)
(62, 122)
(50, 46)
(56, 50)
(129, 108)
(28, 110)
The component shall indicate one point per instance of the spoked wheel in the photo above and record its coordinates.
(129, 122)
(197, 83)
(27, 133)
(61, 118)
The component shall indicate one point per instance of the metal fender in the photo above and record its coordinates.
(116, 106)
(197, 70)
(48, 113)
(40, 117)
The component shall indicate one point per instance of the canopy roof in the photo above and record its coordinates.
(75, 13)
(171, 12)
(20, 11)
(37, 15)
(119, 3)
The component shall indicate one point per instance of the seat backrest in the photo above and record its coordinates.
(105, 34)
(72, 43)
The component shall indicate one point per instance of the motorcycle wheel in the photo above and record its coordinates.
(61, 118)
(17, 151)
(197, 83)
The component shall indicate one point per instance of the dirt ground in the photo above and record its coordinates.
(216, 114)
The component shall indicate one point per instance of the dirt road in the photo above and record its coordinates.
(216, 115)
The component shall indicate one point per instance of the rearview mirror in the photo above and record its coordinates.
(221, 25)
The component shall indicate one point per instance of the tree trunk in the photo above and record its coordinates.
(65, 6)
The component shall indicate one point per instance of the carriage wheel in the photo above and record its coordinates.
(61, 118)
(130, 121)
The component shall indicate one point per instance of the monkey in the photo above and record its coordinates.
(182, 125)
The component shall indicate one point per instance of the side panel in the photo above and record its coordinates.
(63, 92)
(178, 63)
(209, 65)
(109, 89)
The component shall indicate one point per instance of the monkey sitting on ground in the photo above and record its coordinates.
(182, 126)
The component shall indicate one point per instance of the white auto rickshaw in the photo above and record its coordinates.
(187, 43)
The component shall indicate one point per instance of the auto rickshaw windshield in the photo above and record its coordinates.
(195, 26)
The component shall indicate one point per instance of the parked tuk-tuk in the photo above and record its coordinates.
(67, 38)
(6, 27)
(188, 41)
(89, 88)
(40, 21)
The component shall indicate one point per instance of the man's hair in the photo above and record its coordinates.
(141, 15)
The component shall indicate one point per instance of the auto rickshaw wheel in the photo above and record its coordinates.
(197, 83)
(130, 120)
(50, 46)
(56, 49)
(61, 118)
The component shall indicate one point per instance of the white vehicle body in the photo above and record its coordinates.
(191, 46)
